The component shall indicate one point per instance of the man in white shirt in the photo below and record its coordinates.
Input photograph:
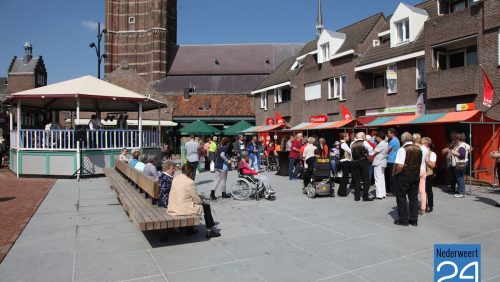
(193, 154)
(361, 150)
(379, 165)
(406, 179)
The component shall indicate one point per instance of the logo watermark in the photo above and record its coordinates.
(457, 262)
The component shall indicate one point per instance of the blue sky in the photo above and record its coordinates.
(60, 30)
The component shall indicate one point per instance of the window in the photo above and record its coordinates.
(448, 59)
(392, 79)
(325, 49)
(403, 29)
(420, 73)
(312, 91)
(40, 79)
(281, 95)
(458, 5)
(378, 80)
(131, 20)
(263, 101)
(337, 88)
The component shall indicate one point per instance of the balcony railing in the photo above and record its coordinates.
(66, 139)
(371, 98)
(454, 82)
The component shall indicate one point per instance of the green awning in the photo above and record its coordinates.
(237, 128)
(199, 127)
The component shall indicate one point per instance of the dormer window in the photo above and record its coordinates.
(325, 51)
(403, 29)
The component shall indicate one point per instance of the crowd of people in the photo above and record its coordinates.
(398, 168)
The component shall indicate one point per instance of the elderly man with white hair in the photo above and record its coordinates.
(406, 180)
(361, 151)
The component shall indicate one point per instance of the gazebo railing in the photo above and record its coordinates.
(65, 139)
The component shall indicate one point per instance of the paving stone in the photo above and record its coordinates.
(400, 269)
(110, 245)
(115, 267)
(105, 230)
(101, 218)
(42, 267)
(293, 265)
(188, 256)
(221, 273)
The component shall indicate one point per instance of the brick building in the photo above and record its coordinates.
(464, 36)
(433, 48)
(138, 34)
(320, 78)
(142, 35)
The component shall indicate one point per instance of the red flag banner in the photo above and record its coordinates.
(279, 119)
(346, 115)
(488, 90)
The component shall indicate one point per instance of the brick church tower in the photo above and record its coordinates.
(138, 34)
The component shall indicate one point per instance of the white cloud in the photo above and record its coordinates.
(92, 25)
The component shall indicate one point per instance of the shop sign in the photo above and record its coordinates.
(391, 74)
(393, 110)
(319, 119)
(465, 107)
(269, 121)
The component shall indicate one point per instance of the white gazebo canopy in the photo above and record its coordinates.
(93, 94)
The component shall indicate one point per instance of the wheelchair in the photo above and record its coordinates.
(246, 186)
(321, 183)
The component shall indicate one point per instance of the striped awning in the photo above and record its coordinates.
(321, 126)
(468, 116)
(263, 128)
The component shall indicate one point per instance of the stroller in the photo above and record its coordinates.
(270, 162)
(321, 183)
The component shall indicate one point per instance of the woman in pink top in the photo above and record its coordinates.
(243, 168)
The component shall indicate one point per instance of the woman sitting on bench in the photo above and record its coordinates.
(183, 200)
(244, 169)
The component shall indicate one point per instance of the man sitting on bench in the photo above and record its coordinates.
(244, 169)
(183, 200)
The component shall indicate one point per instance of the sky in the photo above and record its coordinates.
(61, 30)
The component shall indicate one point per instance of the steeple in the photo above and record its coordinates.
(319, 21)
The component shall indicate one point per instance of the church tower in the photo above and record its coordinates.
(138, 35)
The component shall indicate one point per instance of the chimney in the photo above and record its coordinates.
(186, 93)
(28, 49)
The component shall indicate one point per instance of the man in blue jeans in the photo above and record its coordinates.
(294, 157)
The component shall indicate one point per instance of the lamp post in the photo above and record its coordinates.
(97, 48)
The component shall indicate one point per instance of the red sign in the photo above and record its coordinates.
(269, 121)
(319, 119)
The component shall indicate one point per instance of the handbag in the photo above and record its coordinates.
(212, 167)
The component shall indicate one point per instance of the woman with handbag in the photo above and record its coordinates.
(459, 160)
(222, 162)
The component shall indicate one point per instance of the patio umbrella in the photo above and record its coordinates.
(236, 128)
(199, 127)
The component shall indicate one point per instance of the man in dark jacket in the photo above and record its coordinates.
(361, 150)
(406, 180)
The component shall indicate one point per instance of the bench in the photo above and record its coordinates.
(145, 183)
(141, 211)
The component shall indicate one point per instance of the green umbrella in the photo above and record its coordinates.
(237, 128)
(199, 127)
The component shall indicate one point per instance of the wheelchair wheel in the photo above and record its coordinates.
(311, 191)
(242, 189)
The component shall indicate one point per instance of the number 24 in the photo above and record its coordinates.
(462, 276)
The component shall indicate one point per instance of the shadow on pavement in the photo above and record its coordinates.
(172, 237)
(488, 201)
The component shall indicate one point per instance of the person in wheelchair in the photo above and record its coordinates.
(308, 172)
(263, 180)
(319, 172)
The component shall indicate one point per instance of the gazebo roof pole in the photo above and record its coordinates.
(78, 161)
(140, 125)
(18, 141)
(159, 125)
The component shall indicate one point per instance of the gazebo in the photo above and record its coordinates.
(61, 152)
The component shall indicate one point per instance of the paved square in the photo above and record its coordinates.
(81, 233)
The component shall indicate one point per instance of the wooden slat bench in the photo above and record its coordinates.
(146, 183)
(141, 211)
